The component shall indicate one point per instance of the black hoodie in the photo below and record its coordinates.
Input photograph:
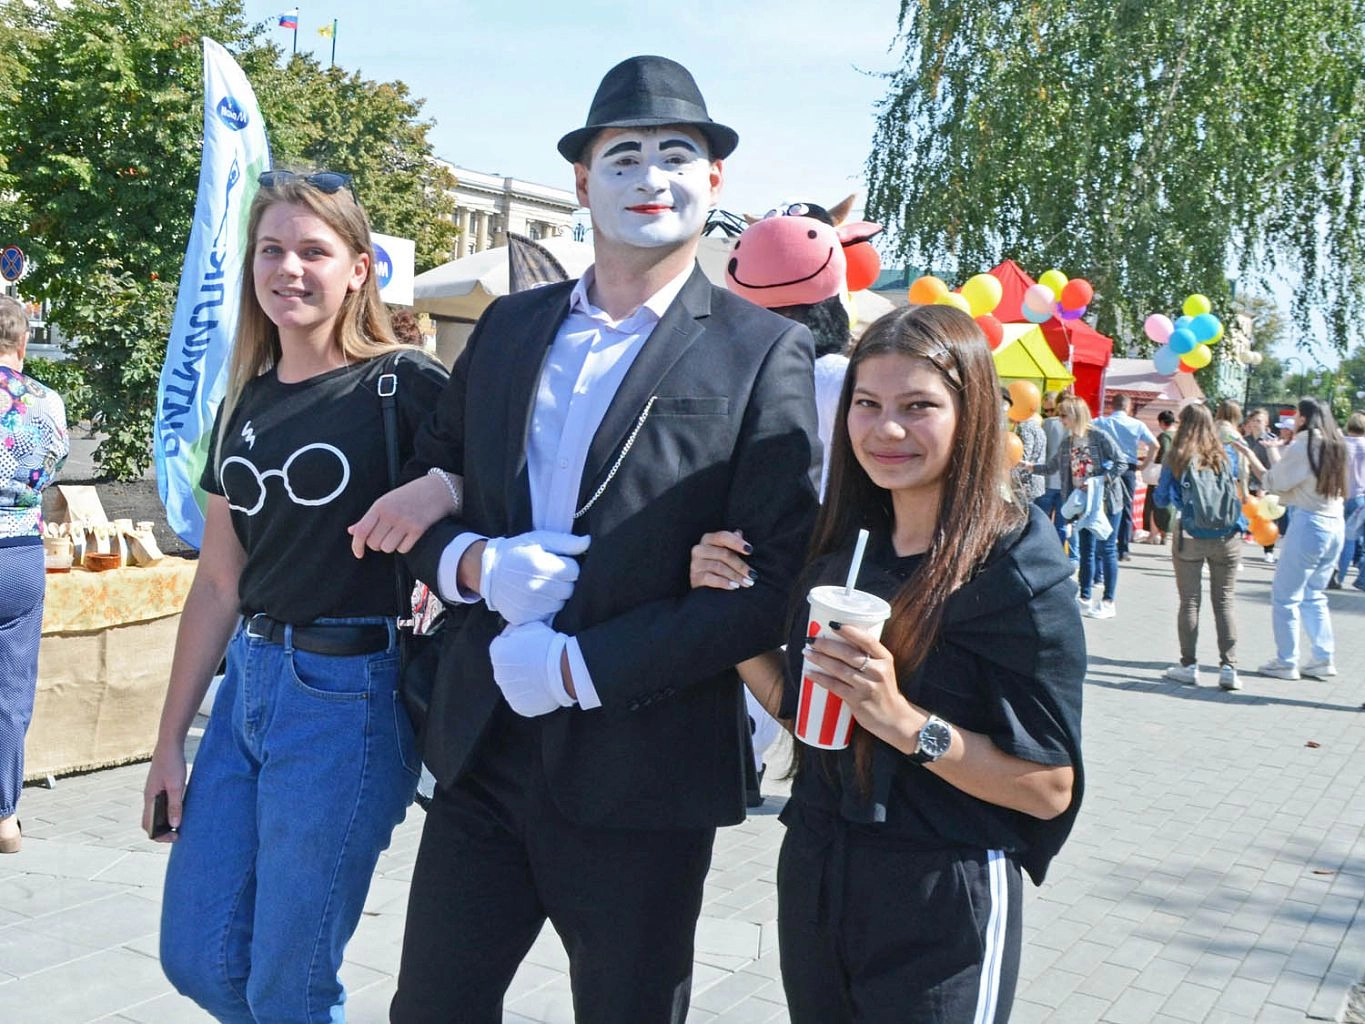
(1009, 662)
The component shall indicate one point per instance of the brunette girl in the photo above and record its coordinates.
(307, 762)
(899, 883)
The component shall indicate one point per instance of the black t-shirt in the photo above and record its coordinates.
(300, 463)
(1013, 673)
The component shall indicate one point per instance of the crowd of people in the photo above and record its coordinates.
(619, 495)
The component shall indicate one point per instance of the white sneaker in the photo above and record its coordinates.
(1187, 674)
(1227, 678)
(1102, 610)
(1270, 557)
(1319, 669)
(1279, 670)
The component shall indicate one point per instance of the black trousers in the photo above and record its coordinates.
(874, 932)
(497, 859)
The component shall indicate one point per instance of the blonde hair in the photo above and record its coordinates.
(13, 324)
(1075, 410)
(363, 329)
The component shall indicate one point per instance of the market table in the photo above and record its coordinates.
(103, 665)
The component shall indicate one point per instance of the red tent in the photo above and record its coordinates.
(1082, 348)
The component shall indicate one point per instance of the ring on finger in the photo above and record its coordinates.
(866, 658)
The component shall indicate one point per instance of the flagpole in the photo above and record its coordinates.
(334, 42)
(296, 31)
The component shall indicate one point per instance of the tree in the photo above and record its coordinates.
(101, 137)
(1149, 145)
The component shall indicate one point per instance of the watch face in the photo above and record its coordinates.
(935, 737)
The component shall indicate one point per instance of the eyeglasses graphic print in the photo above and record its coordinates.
(323, 181)
(316, 474)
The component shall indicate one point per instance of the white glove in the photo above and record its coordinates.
(526, 668)
(529, 577)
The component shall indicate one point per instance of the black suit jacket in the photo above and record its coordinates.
(730, 443)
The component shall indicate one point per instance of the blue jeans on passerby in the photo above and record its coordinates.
(1050, 501)
(306, 766)
(1350, 545)
(21, 629)
(1099, 560)
(1123, 525)
(1308, 555)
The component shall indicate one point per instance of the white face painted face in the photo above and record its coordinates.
(649, 187)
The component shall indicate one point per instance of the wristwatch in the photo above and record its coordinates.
(935, 737)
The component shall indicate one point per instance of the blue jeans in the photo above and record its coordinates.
(305, 768)
(1308, 554)
(1099, 560)
(21, 628)
(1349, 546)
(1123, 526)
(1050, 501)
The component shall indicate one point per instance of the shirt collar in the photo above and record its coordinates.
(654, 307)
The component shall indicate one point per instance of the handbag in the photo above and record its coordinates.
(419, 641)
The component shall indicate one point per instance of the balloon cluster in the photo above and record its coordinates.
(1054, 295)
(1261, 514)
(1184, 342)
(1024, 402)
(977, 297)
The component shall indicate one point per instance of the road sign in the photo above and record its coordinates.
(12, 263)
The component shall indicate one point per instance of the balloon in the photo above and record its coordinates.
(1196, 304)
(863, 266)
(1205, 326)
(1024, 399)
(1034, 317)
(1014, 449)
(927, 290)
(955, 299)
(1167, 360)
(1198, 357)
(983, 293)
(1250, 509)
(1183, 321)
(1266, 533)
(1070, 314)
(992, 328)
(1039, 298)
(1158, 327)
(1182, 341)
(1076, 294)
(1053, 279)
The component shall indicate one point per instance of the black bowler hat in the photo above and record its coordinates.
(649, 92)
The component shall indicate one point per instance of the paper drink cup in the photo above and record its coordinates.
(822, 719)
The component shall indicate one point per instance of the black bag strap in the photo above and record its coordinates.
(388, 406)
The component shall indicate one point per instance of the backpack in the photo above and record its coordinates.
(1210, 506)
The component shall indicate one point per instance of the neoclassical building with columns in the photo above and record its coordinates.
(487, 206)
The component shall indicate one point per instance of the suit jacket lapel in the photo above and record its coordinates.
(681, 325)
(526, 353)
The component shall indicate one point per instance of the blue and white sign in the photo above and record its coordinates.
(395, 262)
(13, 264)
(194, 377)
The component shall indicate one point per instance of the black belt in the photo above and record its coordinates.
(321, 638)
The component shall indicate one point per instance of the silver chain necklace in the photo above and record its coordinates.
(619, 459)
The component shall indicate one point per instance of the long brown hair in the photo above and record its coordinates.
(363, 329)
(974, 507)
(1196, 442)
(1326, 447)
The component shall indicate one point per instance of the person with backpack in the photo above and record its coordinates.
(1199, 485)
(1310, 478)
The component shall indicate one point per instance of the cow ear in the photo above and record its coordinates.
(839, 214)
(750, 219)
(858, 231)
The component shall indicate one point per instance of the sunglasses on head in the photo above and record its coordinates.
(324, 181)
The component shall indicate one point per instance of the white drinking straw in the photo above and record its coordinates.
(857, 562)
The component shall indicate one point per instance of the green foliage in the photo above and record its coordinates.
(67, 378)
(101, 119)
(1149, 145)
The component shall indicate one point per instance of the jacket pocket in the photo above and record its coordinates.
(711, 405)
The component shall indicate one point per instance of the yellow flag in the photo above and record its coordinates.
(326, 31)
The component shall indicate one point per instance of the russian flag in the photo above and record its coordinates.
(290, 19)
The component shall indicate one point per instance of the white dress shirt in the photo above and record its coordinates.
(584, 368)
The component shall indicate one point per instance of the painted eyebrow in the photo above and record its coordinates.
(623, 147)
(680, 143)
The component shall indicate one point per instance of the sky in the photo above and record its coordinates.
(797, 79)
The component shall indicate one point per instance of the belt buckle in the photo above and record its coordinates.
(251, 632)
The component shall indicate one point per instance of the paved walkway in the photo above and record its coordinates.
(1217, 872)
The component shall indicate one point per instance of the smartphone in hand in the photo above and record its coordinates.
(161, 822)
